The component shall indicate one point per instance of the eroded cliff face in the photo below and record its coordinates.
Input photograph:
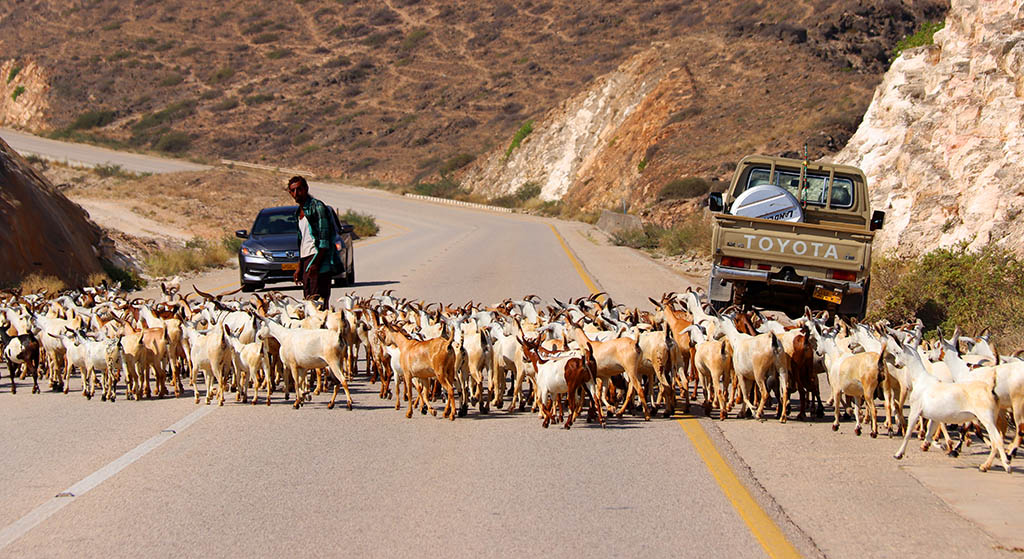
(41, 231)
(24, 95)
(942, 142)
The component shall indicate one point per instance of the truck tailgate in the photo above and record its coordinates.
(798, 244)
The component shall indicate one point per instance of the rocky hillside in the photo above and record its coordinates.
(43, 232)
(695, 104)
(393, 89)
(943, 140)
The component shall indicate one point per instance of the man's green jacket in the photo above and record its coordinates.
(322, 227)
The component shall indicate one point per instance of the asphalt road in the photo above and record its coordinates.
(269, 480)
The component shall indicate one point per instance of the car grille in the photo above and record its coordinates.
(284, 255)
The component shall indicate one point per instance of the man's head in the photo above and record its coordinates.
(298, 188)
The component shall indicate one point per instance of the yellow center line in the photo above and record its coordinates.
(763, 528)
(575, 263)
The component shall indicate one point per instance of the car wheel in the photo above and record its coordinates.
(350, 279)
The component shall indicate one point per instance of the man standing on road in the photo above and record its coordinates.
(318, 259)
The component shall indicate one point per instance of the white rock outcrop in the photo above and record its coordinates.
(24, 95)
(942, 142)
(568, 136)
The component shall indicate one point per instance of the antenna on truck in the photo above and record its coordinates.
(803, 179)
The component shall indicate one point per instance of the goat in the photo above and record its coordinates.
(621, 355)
(429, 359)
(303, 349)
(564, 374)
(942, 402)
(21, 350)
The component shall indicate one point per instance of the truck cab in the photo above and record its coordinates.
(789, 233)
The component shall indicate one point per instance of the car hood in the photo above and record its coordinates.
(287, 241)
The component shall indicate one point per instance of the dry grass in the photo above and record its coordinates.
(37, 283)
(198, 254)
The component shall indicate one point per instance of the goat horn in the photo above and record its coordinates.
(206, 296)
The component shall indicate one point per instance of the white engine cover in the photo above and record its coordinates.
(768, 201)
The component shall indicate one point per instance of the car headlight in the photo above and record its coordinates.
(255, 252)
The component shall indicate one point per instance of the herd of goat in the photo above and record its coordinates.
(590, 350)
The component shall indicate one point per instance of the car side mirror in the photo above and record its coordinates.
(877, 220)
(715, 203)
(242, 234)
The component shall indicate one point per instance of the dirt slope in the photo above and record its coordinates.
(387, 90)
(43, 232)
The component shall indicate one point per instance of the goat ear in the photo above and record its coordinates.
(656, 304)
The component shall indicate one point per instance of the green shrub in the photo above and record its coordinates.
(641, 165)
(171, 80)
(119, 55)
(13, 73)
(258, 99)
(211, 94)
(173, 142)
(17, 92)
(455, 162)
(364, 164)
(113, 170)
(364, 224)
(279, 53)
(129, 279)
(646, 237)
(527, 191)
(693, 234)
(226, 104)
(413, 39)
(951, 287)
(444, 188)
(264, 38)
(93, 119)
(224, 74)
(232, 243)
(518, 138)
(168, 115)
(925, 35)
(689, 187)
(191, 51)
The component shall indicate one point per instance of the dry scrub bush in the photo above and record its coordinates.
(197, 254)
(951, 287)
(693, 234)
(37, 283)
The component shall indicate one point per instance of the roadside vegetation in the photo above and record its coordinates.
(364, 224)
(197, 254)
(949, 287)
(692, 235)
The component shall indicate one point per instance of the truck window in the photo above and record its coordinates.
(817, 186)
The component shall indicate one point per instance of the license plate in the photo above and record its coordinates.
(828, 295)
(292, 266)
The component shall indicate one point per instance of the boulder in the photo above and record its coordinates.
(41, 231)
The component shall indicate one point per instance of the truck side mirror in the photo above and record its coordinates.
(877, 219)
(242, 234)
(715, 202)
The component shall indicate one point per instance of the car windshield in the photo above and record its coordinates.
(817, 186)
(275, 224)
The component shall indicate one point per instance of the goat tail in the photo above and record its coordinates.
(880, 366)
(995, 376)
(776, 344)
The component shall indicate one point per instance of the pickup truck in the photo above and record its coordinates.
(789, 234)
